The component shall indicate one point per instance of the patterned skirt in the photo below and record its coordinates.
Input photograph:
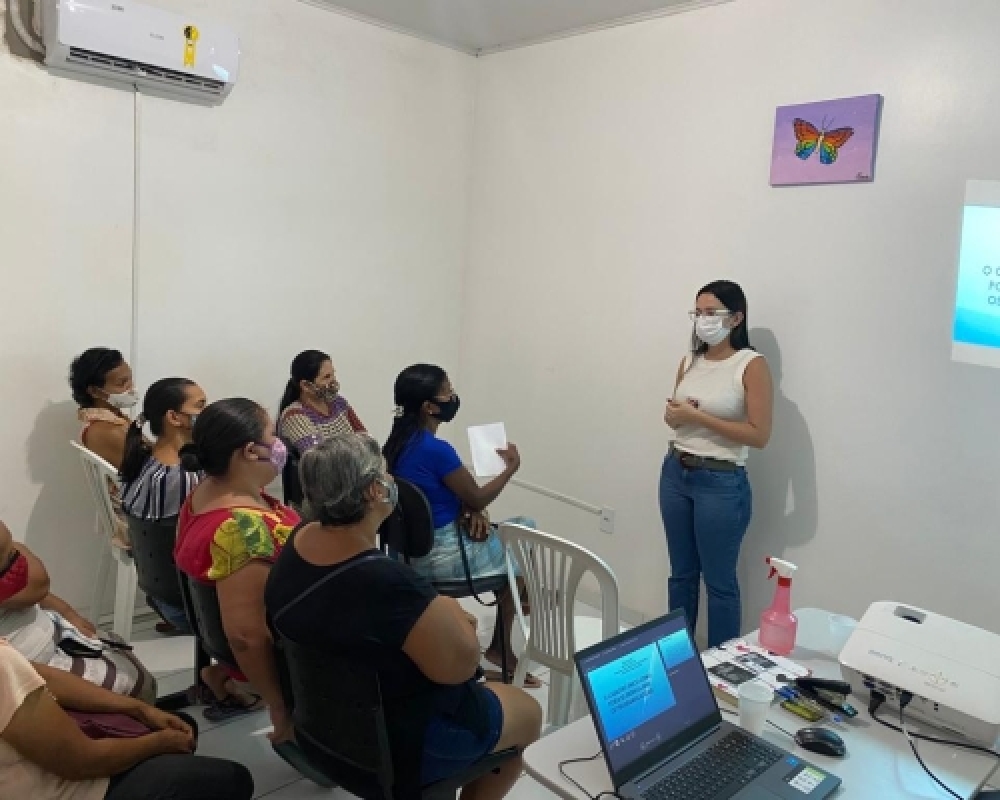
(444, 562)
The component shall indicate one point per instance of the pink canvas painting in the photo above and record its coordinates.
(829, 142)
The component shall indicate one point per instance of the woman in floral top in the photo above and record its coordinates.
(230, 532)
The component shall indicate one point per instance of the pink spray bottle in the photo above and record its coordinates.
(778, 625)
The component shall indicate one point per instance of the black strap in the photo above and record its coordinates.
(339, 570)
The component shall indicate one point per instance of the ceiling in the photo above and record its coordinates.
(483, 26)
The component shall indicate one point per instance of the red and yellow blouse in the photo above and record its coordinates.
(218, 543)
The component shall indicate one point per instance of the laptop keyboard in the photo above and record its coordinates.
(732, 763)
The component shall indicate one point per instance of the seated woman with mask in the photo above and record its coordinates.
(101, 381)
(312, 408)
(229, 533)
(154, 484)
(425, 398)
(380, 612)
(48, 632)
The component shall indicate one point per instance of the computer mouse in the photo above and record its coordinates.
(822, 741)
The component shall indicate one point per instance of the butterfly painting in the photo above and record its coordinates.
(809, 139)
(832, 141)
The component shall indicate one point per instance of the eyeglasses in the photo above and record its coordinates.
(717, 313)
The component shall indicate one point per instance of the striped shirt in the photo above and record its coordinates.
(159, 491)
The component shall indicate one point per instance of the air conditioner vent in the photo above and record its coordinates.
(148, 72)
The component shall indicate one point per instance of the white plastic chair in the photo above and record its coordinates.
(552, 569)
(99, 472)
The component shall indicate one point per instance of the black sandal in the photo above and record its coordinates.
(232, 706)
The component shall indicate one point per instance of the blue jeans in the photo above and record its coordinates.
(705, 515)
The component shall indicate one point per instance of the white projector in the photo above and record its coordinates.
(951, 669)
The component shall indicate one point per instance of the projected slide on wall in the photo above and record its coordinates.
(976, 335)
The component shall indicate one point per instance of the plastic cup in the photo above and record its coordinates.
(755, 702)
(841, 628)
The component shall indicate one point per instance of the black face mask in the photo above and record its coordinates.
(447, 409)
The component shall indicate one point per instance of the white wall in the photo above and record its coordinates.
(323, 205)
(615, 173)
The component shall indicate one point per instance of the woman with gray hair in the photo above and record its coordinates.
(381, 613)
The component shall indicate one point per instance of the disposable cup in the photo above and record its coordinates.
(755, 702)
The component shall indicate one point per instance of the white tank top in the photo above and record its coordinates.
(718, 388)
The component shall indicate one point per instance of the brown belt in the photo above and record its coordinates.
(689, 461)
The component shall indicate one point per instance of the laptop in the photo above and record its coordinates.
(663, 735)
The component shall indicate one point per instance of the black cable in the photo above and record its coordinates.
(562, 769)
(874, 706)
(904, 701)
(773, 725)
(877, 699)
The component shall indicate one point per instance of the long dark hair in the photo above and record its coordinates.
(89, 369)
(224, 427)
(305, 367)
(414, 386)
(731, 296)
(165, 395)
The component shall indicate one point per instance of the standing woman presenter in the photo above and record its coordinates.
(721, 407)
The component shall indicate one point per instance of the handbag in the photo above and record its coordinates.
(99, 725)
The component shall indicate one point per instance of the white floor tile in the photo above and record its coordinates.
(165, 655)
(245, 740)
(304, 790)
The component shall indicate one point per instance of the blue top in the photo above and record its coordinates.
(424, 462)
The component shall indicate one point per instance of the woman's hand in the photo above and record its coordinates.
(678, 414)
(158, 720)
(171, 741)
(477, 525)
(82, 624)
(511, 458)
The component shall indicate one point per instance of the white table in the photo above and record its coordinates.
(878, 764)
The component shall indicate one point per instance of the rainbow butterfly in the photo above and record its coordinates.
(829, 142)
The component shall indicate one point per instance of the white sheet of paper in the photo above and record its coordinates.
(484, 440)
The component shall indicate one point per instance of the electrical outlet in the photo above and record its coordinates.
(607, 520)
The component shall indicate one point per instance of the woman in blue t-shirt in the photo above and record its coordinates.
(424, 399)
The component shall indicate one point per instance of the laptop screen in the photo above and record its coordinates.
(648, 693)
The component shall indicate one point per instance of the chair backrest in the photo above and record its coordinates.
(201, 605)
(153, 552)
(291, 486)
(552, 569)
(101, 476)
(339, 720)
(409, 529)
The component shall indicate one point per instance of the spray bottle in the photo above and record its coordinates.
(778, 625)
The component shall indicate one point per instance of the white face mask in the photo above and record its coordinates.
(711, 330)
(125, 399)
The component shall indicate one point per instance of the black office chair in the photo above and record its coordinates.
(409, 531)
(201, 604)
(341, 732)
(291, 486)
(157, 576)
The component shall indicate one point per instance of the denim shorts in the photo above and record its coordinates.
(450, 748)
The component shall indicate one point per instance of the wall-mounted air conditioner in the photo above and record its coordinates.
(124, 42)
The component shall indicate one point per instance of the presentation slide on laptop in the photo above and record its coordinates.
(647, 689)
(631, 690)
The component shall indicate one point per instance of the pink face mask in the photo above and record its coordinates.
(277, 453)
(14, 578)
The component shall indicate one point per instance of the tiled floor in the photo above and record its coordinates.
(245, 740)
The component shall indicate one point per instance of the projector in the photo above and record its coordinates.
(951, 669)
